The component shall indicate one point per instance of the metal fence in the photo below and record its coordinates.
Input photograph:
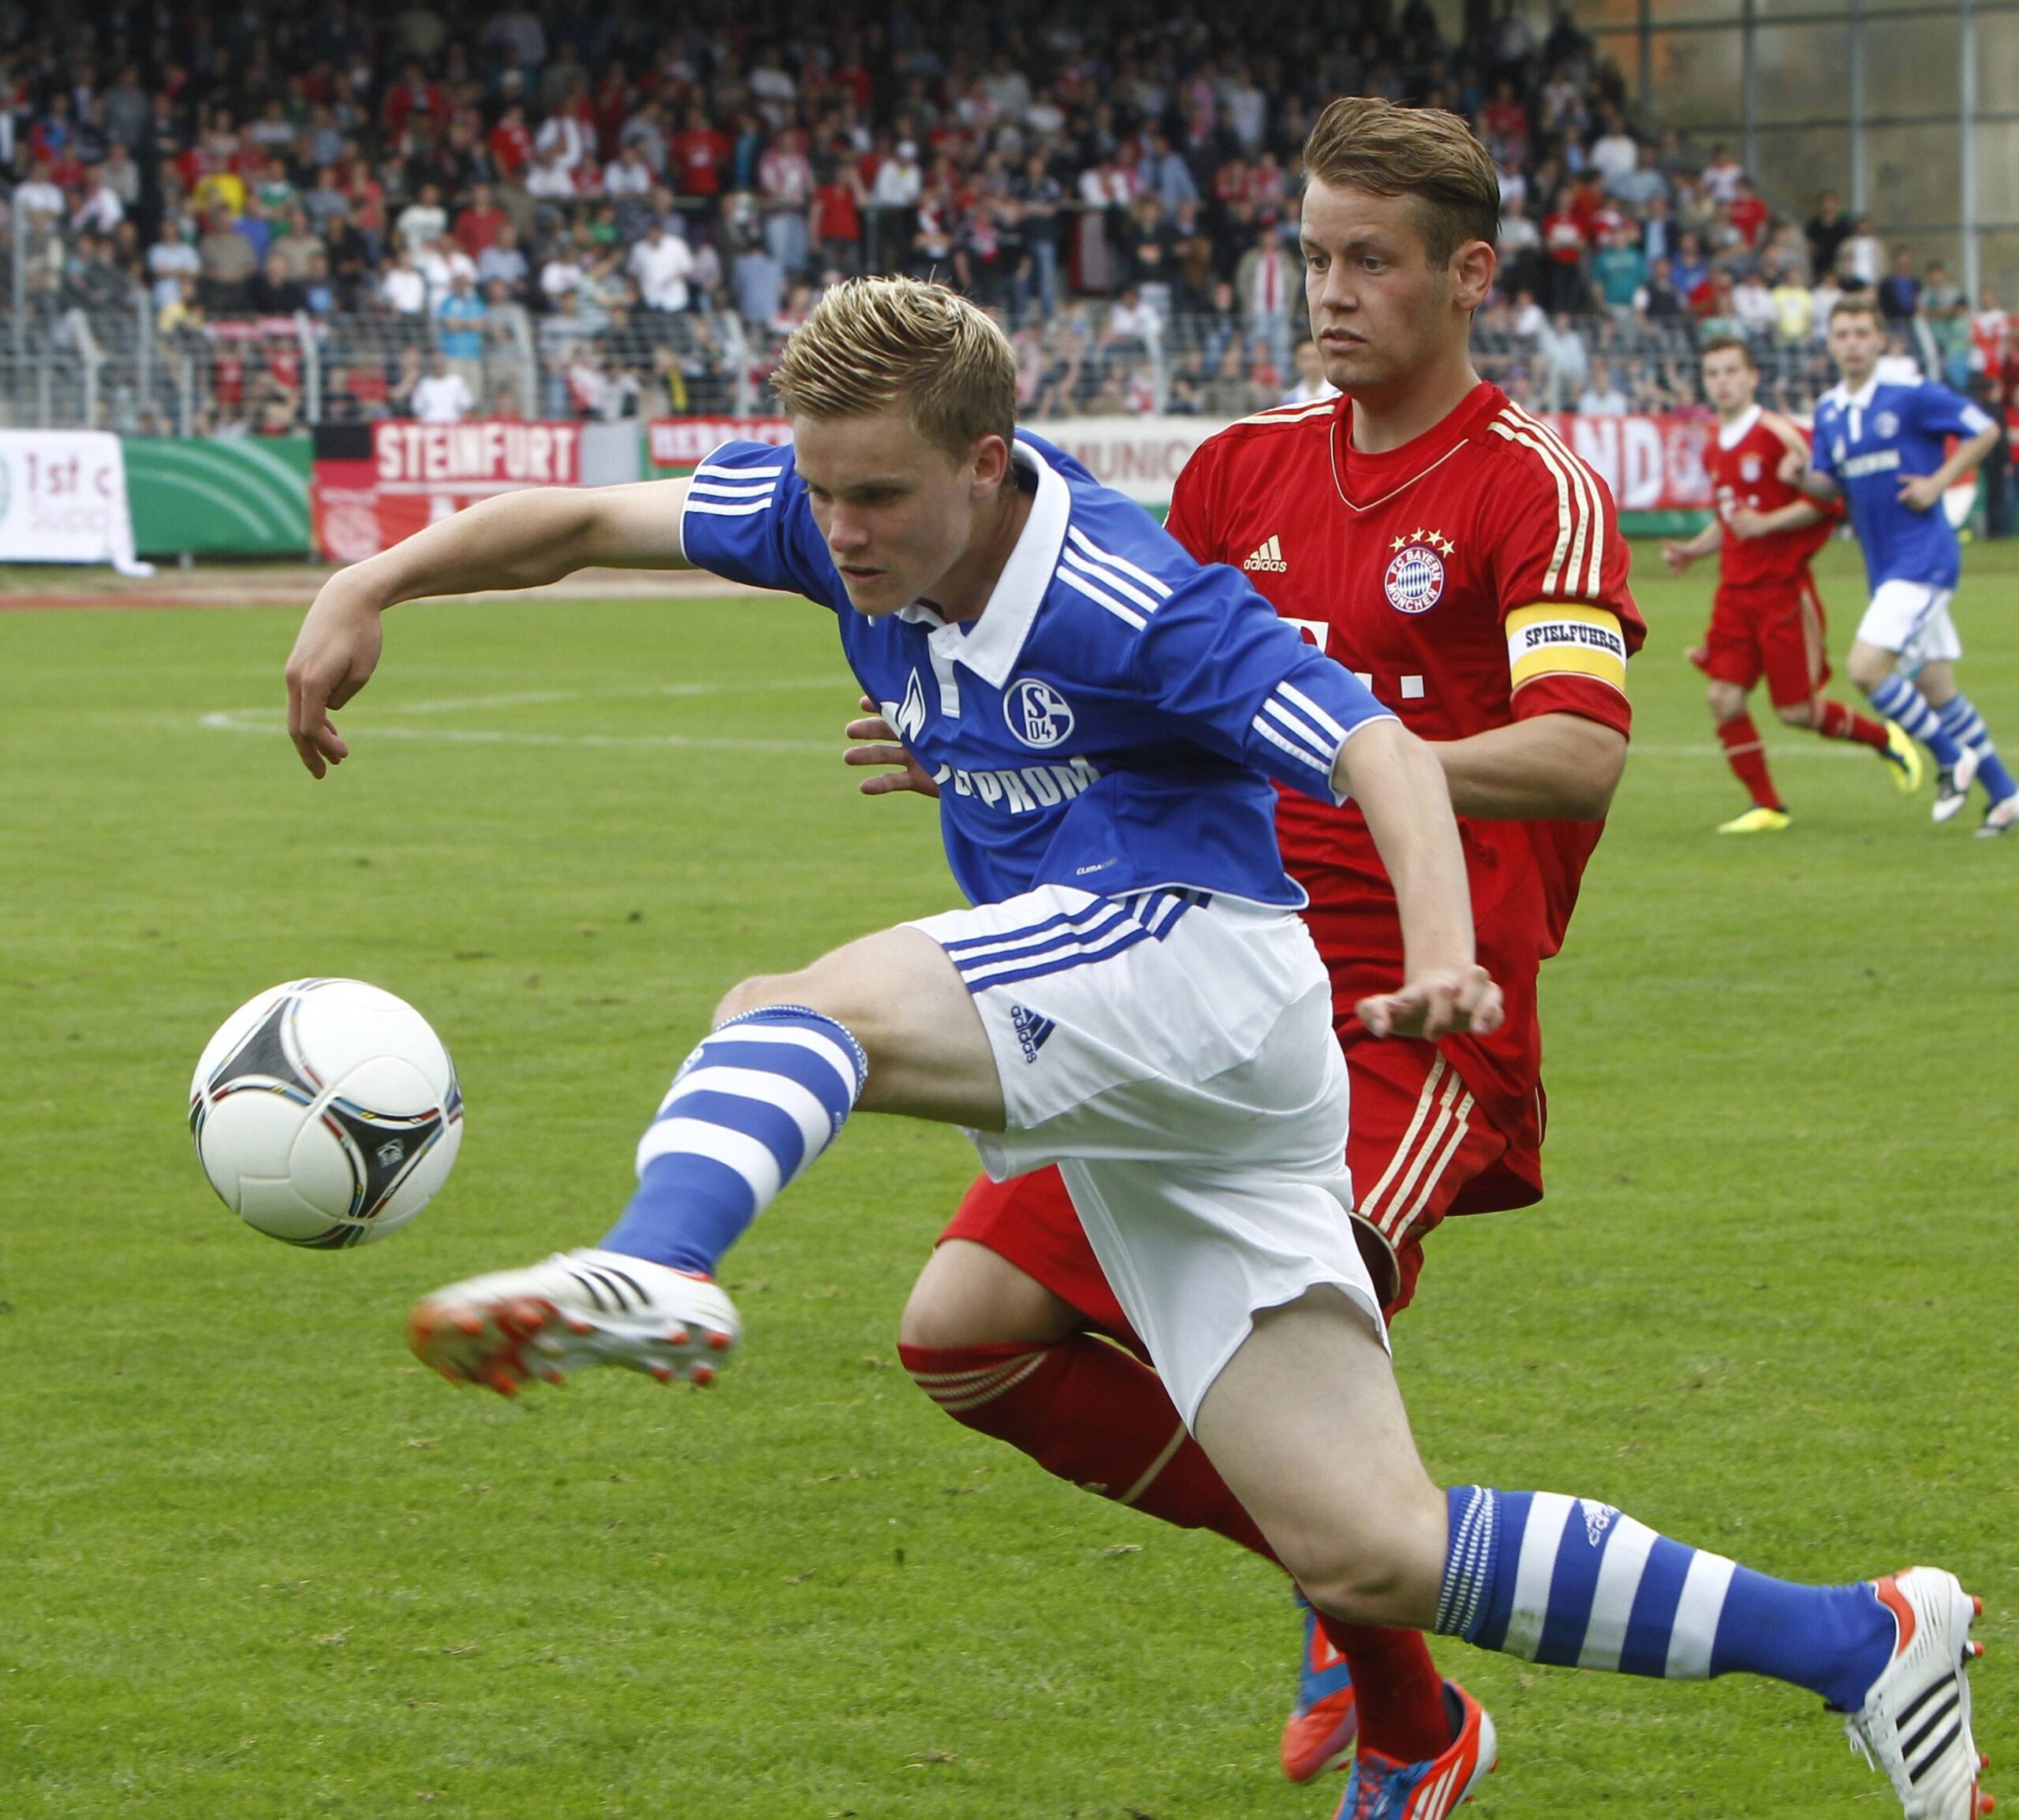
(83, 345)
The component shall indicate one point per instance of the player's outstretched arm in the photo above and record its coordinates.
(1552, 767)
(514, 540)
(1399, 785)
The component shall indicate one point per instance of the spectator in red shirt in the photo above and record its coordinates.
(1506, 121)
(413, 95)
(1564, 244)
(478, 225)
(698, 154)
(1748, 214)
(511, 144)
(837, 206)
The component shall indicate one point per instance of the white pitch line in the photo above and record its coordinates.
(1797, 749)
(541, 698)
(263, 721)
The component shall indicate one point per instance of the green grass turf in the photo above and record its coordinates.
(254, 1562)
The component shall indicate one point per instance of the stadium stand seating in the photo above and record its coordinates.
(253, 221)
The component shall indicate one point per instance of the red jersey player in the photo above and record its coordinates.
(1435, 538)
(1767, 617)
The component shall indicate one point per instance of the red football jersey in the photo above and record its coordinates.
(1474, 577)
(1743, 462)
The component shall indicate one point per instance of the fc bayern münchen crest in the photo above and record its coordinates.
(1037, 714)
(1749, 467)
(1415, 581)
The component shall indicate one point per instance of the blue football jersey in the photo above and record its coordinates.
(1111, 720)
(1868, 440)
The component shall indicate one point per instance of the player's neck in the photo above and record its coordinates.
(1386, 416)
(964, 590)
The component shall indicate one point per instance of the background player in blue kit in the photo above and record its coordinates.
(1134, 998)
(1880, 447)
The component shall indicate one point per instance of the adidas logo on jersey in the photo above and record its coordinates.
(1268, 558)
(1031, 1029)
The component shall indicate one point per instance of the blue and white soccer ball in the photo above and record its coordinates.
(326, 1112)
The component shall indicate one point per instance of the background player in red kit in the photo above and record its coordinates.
(1767, 617)
(1444, 544)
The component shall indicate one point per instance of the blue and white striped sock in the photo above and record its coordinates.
(751, 1108)
(1899, 700)
(1571, 1582)
(1965, 725)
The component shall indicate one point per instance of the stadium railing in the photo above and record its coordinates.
(85, 348)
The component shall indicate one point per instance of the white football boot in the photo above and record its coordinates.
(1915, 1723)
(1952, 785)
(1998, 818)
(587, 1307)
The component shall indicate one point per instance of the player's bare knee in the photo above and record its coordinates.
(1725, 702)
(1868, 668)
(969, 1296)
(1798, 713)
(757, 992)
(1378, 1579)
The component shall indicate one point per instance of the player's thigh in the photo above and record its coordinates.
(1307, 1425)
(970, 1296)
(1791, 635)
(1030, 1222)
(1728, 656)
(1905, 619)
(898, 995)
(1417, 1137)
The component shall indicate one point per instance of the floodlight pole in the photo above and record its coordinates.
(1966, 126)
(1749, 87)
(1860, 185)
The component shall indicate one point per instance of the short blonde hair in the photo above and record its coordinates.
(877, 344)
(1361, 142)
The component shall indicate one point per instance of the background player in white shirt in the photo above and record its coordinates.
(440, 395)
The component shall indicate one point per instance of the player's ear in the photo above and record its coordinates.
(991, 457)
(1470, 274)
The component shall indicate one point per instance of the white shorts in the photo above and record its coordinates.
(1912, 618)
(1173, 1054)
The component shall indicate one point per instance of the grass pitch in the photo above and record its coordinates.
(255, 1562)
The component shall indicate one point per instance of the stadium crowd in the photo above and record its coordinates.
(541, 209)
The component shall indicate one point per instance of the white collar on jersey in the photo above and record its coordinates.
(1861, 400)
(990, 644)
(1731, 435)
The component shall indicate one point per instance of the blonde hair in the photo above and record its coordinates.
(1361, 142)
(877, 344)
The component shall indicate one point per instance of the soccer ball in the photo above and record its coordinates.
(326, 1112)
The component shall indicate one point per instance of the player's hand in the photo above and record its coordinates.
(1745, 522)
(1920, 492)
(1794, 465)
(903, 772)
(1435, 1004)
(334, 657)
(1678, 558)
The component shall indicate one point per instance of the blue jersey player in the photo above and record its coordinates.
(1131, 996)
(1880, 447)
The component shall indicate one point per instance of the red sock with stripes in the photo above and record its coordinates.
(1087, 1411)
(1747, 758)
(1836, 721)
(1398, 1692)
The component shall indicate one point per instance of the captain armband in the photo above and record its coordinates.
(1562, 639)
